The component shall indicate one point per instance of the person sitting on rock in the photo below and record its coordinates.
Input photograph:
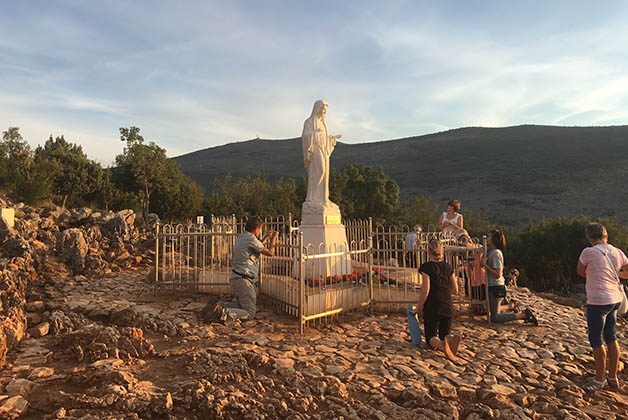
(511, 278)
(493, 262)
(435, 301)
(246, 252)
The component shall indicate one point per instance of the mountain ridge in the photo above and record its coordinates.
(516, 174)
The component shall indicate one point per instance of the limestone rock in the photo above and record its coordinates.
(19, 387)
(120, 224)
(60, 323)
(72, 249)
(41, 372)
(79, 216)
(35, 306)
(39, 330)
(13, 407)
(6, 230)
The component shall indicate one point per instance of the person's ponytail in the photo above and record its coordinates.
(436, 248)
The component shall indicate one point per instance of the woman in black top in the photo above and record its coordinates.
(439, 282)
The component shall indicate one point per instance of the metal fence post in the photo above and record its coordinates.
(156, 259)
(369, 276)
(488, 303)
(301, 281)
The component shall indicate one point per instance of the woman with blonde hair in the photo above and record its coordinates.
(435, 301)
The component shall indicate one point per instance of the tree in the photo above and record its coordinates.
(78, 177)
(33, 184)
(477, 224)
(421, 211)
(25, 178)
(111, 197)
(255, 195)
(361, 192)
(15, 156)
(146, 163)
(176, 196)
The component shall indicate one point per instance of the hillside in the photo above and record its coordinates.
(515, 173)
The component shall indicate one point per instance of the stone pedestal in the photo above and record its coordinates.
(323, 233)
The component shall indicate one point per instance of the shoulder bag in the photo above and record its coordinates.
(623, 305)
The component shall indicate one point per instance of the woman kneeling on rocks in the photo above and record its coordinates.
(494, 265)
(438, 284)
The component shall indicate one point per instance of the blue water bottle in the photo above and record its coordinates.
(413, 324)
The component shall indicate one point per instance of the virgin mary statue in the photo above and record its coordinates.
(317, 148)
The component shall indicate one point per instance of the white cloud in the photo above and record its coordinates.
(198, 75)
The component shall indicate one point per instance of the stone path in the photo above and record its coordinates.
(112, 350)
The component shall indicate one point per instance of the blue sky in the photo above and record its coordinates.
(197, 74)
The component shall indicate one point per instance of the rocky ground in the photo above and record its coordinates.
(82, 336)
(109, 349)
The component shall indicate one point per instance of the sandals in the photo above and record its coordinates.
(594, 385)
(530, 318)
(613, 383)
(450, 346)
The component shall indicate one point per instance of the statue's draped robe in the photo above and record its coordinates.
(317, 148)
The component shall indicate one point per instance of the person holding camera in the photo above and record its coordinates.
(493, 262)
(245, 269)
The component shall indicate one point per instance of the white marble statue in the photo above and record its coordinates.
(317, 148)
(321, 221)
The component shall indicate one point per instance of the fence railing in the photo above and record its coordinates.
(378, 268)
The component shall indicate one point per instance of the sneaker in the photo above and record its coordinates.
(530, 318)
(227, 315)
(613, 383)
(224, 314)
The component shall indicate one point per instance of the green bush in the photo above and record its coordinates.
(254, 196)
(547, 253)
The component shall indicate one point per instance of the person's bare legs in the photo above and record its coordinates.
(613, 359)
(599, 355)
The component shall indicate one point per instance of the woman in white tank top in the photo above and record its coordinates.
(451, 221)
